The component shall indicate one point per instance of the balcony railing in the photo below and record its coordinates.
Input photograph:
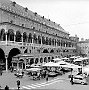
(33, 44)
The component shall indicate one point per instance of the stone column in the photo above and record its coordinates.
(6, 37)
(14, 36)
(25, 63)
(22, 39)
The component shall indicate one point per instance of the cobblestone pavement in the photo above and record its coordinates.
(59, 82)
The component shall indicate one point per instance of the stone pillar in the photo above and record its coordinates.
(14, 36)
(6, 38)
(22, 39)
(25, 63)
(12, 64)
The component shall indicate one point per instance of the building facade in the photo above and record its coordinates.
(23, 31)
(83, 47)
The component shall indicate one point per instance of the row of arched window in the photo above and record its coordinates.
(18, 37)
(41, 60)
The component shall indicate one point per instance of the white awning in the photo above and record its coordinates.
(81, 59)
(57, 59)
(51, 64)
(33, 69)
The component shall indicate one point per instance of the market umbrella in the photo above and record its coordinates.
(50, 64)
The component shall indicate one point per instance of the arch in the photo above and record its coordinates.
(24, 37)
(35, 38)
(58, 42)
(13, 52)
(26, 51)
(48, 59)
(46, 40)
(45, 59)
(39, 39)
(18, 36)
(52, 57)
(41, 60)
(52, 51)
(45, 51)
(10, 35)
(2, 35)
(2, 58)
(31, 61)
(36, 60)
(30, 38)
(43, 40)
(53, 42)
(49, 41)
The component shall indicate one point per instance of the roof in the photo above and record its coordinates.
(23, 11)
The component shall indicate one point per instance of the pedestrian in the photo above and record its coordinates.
(71, 79)
(18, 84)
(6, 87)
(46, 75)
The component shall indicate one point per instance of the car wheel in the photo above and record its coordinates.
(82, 83)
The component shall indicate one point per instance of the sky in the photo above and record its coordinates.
(72, 15)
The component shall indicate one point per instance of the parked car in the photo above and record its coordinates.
(80, 79)
(19, 74)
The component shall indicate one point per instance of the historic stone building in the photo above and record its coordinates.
(24, 31)
(83, 47)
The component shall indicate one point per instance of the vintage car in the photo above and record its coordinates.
(80, 79)
(34, 73)
(19, 74)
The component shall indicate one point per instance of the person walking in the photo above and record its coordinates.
(71, 80)
(46, 75)
(6, 87)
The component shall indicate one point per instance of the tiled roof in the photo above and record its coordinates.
(8, 5)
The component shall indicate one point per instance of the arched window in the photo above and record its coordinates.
(24, 37)
(2, 35)
(48, 59)
(52, 41)
(49, 41)
(55, 42)
(39, 39)
(36, 60)
(45, 59)
(46, 40)
(43, 40)
(31, 61)
(18, 36)
(35, 38)
(10, 35)
(41, 60)
(30, 38)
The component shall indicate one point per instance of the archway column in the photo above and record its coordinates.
(6, 37)
(6, 63)
(25, 63)
(14, 36)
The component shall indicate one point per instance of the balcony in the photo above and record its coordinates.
(33, 44)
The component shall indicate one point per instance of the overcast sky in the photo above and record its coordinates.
(72, 15)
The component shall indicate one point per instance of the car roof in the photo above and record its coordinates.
(78, 76)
